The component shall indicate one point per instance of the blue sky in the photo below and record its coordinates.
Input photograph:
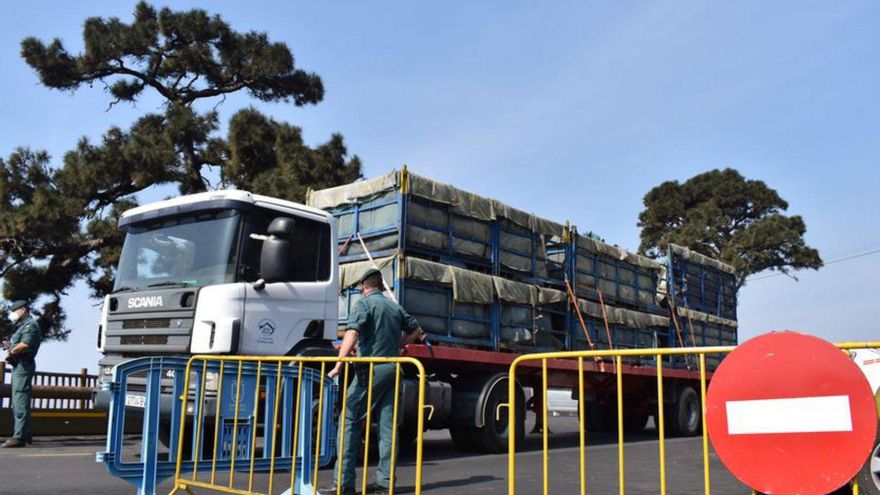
(573, 110)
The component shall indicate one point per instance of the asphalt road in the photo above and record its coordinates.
(67, 466)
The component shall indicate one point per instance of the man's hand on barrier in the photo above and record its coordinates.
(335, 371)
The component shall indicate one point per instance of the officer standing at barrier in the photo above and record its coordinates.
(377, 324)
(22, 349)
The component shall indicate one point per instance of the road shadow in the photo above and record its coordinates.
(470, 481)
(439, 449)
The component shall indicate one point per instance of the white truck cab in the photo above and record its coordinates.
(225, 272)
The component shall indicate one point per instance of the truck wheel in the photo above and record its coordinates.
(869, 476)
(600, 417)
(464, 438)
(685, 416)
(635, 422)
(494, 436)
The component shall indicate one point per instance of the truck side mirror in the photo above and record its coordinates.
(276, 260)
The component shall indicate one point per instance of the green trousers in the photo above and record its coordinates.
(351, 431)
(22, 377)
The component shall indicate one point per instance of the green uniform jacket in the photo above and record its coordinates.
(379, 322)
(28, 332)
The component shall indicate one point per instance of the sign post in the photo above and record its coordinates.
(790, 413)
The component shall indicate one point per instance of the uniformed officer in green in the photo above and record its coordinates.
(380, 327)
(22, 348)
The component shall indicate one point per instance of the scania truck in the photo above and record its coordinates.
(230, 272)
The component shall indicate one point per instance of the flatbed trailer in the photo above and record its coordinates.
(479, 386)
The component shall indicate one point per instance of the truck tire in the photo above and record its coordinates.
(494, 436)
(684, 417)
(635, 422)
(869, 476)
(600, 417)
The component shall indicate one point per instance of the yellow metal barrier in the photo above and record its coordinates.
(254, 427)
(539, 361)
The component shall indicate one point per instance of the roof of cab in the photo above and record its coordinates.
(226, 195)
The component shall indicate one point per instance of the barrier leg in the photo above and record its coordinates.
(176, 412)
(149, 450)
(302, 483)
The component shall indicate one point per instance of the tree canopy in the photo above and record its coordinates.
(58, 221)
(723, 215)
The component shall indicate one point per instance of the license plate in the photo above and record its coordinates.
(133, 400)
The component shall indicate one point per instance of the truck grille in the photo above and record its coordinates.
(144, 340)
(146, 323)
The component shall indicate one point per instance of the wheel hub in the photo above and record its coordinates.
(875, 467)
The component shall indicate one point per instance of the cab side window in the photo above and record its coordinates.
(258, 223)
(310, 249)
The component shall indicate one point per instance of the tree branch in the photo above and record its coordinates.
(207, 93)
(107, 197)
(152, 81)
(10, 267)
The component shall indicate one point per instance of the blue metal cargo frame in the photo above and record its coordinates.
(537, 311)
(567, 250)
(596, 328)
(448, 256)
(356, 211)
(681, 281)
(535, 240)
(399, 285)
(571, 256)
(402, 201)
(491, 265)
(699, 340)
(493, 342)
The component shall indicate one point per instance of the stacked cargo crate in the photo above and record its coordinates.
(478, 273)
(702, 295)
(474, 271)
(619, 288)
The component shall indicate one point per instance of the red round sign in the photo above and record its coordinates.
(789, 413)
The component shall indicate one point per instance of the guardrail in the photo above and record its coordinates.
(70, 391)
(532, 361)
(61, 404)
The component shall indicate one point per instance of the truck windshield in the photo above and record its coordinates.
(192, 250)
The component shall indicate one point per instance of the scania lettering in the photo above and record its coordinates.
(140, 302)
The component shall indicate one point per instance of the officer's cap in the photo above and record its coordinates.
(369, 272)
(18, 305)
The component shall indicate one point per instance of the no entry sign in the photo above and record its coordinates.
(789, 413)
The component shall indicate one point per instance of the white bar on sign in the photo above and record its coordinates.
(799, 415)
